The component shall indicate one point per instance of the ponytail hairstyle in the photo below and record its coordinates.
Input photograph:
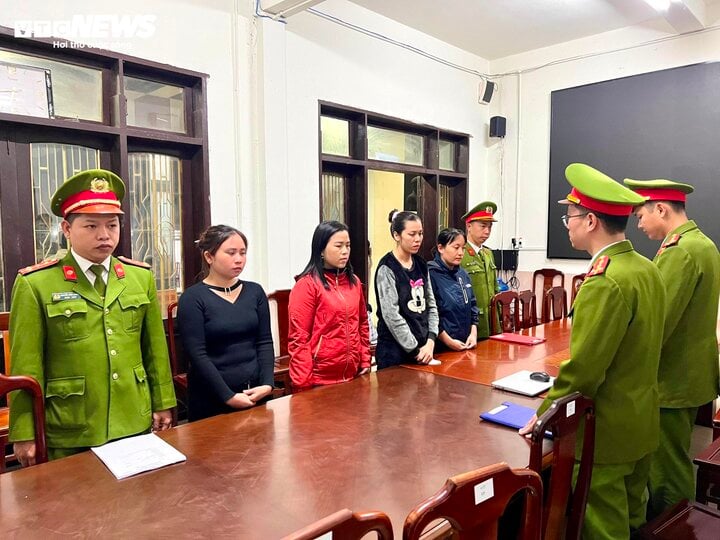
(316, 266)
(398, 220)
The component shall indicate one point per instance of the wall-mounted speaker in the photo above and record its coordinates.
(487, 89)
(497, 126)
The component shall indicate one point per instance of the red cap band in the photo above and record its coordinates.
(576, 197)
(662, 194)
(479, 215)
(86, 198)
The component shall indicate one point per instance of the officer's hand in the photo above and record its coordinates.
(258, 392)
(527, 428)
(25, 452)
(240, 401)
(162, 420)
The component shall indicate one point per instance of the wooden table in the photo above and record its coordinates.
(384, 441)
(492, 359)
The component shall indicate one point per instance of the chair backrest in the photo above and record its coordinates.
(507, 304)
(548, 276)
(347, 525)
(281, 297)
(577, 280)
(554, 304)
(172, 347)
(473, 502)
(28, 384)
(528, 309)
(564, 419)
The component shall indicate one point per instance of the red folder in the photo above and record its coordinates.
(518, 338)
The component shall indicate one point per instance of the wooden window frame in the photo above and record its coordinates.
(356, 167)
(115, 140)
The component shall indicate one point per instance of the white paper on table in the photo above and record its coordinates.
(134, 455)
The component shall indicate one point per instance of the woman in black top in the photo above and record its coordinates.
(225, 327)
(407, 315)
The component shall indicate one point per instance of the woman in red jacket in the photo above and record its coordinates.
(328, 338)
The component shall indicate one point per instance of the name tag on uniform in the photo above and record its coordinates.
(60, 296)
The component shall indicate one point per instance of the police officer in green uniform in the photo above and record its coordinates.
(479, 263)
(689, 264)
(88, 328)
(617, 329)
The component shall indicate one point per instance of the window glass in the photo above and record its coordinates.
(396, 146)
(447, 155)
(51, 165)
(154, 196)
(155, 105)
(333, 197)
(76, 90)
(335, 136)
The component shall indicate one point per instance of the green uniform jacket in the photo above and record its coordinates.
(615, 344)
(103, 367)
(483, 276)
(689, 264)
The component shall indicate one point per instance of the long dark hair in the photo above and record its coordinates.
(315, 266)
(211, 239)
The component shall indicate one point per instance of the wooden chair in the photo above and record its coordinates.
(283, 385)
(554, 304)
(508, 305)
(473, 502)
(577, 280)
(548, 276)
(716, 426)
(707, 487)
(347, 525)
(564, 508)
(179, 377)
(28, 384)
(528, 309)
(685, 520)
(281, 297)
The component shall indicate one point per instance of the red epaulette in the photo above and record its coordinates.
(39, 266)
(599, 266)
(672, 241)
(133, 262)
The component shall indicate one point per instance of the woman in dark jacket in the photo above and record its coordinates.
(453, 293)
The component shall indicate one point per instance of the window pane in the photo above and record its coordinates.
(77, 91)
(335, 136)
(155, 105)
(51, 165)
(333, 197)
(154, 192)
(444, 209)
(447, 155)
(395, 146)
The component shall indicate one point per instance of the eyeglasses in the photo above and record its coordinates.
(566, 218)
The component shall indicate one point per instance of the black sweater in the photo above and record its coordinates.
(229, 346)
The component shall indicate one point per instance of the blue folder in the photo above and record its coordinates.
(511, 415)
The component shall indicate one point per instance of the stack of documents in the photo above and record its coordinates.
(134, 455)
(518, 338)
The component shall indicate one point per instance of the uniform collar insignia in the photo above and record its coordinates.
(69, 273)
(599, 266)
(119, 270)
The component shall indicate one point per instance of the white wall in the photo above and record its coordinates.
(265, 82)
(528, 140)
(324, 61)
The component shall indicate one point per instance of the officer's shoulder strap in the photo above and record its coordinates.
(39, 266)
(672, 241)
(599, 266)
(133, 262)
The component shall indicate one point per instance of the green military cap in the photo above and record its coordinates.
(596, 191)
(660, 189)
(485, 211)
(95, 191)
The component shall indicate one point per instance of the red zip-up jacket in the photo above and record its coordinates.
(328, 337)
